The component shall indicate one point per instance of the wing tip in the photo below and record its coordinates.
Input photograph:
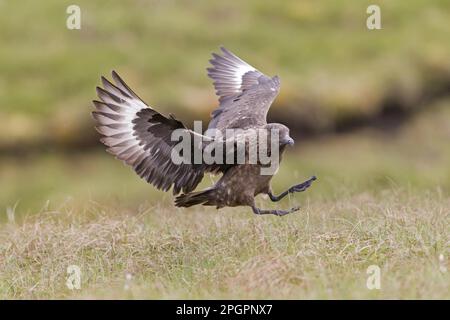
(114, 74)
(99, 91)
(222, 48)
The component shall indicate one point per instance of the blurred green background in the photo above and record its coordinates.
(369, 109)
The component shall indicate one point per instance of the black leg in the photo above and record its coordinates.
(297, 188)
(274, 212)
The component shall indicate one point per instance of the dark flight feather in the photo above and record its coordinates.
(141, 137)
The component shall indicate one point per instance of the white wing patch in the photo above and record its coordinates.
(228, 74)
(115, 114)
(245, 94)
(238, 73)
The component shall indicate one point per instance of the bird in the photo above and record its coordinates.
(141, 137)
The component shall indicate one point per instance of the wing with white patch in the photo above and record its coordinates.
(141, 137)
(245, 94)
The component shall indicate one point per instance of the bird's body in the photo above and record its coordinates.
(143, 138)
(230, 191)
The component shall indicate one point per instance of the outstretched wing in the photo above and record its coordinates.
(245, 94)
(141, 137)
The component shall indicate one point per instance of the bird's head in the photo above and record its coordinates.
(283, 133)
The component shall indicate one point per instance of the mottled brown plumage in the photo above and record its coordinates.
(141, 137)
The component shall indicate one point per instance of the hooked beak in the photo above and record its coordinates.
(289, 141)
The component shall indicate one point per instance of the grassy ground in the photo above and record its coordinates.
(322, 251)
(381, 198)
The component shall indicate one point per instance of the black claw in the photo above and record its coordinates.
(281, 213)
(302, 186)
(285, 212)
(297, 188)
(278, 213)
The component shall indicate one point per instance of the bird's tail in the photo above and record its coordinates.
(206, 197)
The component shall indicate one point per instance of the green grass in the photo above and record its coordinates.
(331, 66)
